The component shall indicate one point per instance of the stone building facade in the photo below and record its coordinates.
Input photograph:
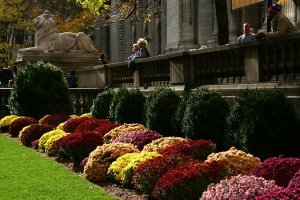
(178, 25)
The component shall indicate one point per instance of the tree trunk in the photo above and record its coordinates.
(222, 21)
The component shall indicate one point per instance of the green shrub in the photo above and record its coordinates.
(100, 107)
(205, 116)
(127, 106)
(40, 89)
(161, 105)
(264, 124)
(181, 109)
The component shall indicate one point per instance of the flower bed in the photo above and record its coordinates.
(282, 194)
(6, 121)
(116, 132)
(121, 170)
(71, 124)
(239, 187)
(138, 138)
(188, 180)
(100, 159)
(279, 169)
(47, 141)
(148, 173)
(198, 149)
(18, 124)
(162, 143)
(54, 119)
(33, 132)
(78, 145)
(236, 161)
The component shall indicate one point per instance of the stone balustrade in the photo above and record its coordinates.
(82, 99)
(276, 60)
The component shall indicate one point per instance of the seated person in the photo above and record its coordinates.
(143, 51)
(248, 35)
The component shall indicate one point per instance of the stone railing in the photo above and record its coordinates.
(81, 97)
(276, 60)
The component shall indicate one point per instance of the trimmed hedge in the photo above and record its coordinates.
(263, 123)
(127, 106)
(205, 116)
(100, 107)
(161, 105)
(40, 89)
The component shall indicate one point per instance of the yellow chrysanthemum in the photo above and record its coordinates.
(42, 119)
(7, 120)
(22, 131)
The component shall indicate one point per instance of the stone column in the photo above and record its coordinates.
(231, 23)
(163, 26)
(289, 9)
(213, 42)
(298, 16)
(264, 25)
(173, 24)
(187, 25)
(205, 21)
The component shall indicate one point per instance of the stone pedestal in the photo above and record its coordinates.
(65, 61)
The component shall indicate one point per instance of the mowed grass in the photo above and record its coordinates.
(26, 174)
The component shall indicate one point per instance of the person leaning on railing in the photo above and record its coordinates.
(248, 35)
(279, 22)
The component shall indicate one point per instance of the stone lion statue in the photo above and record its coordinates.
(48, 39)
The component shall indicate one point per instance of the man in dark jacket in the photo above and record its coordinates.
(279, 22)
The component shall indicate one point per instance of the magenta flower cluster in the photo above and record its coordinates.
(295, 181)
(279, 169)
(138, 138)
(282, 194)
(239, 187)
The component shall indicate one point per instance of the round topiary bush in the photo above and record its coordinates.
(263, 123)
(100, 107)
(40, 89)
(127, 106)
(205, 116)
(161, 105)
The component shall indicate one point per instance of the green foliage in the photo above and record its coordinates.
(127, 106)
(100, 107)
(181, 109)
(40, 89)
(264, 124)
(205, 116)
(160, 107)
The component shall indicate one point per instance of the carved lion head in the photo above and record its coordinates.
(45, 20)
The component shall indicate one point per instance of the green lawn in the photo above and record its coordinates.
(26, 174)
